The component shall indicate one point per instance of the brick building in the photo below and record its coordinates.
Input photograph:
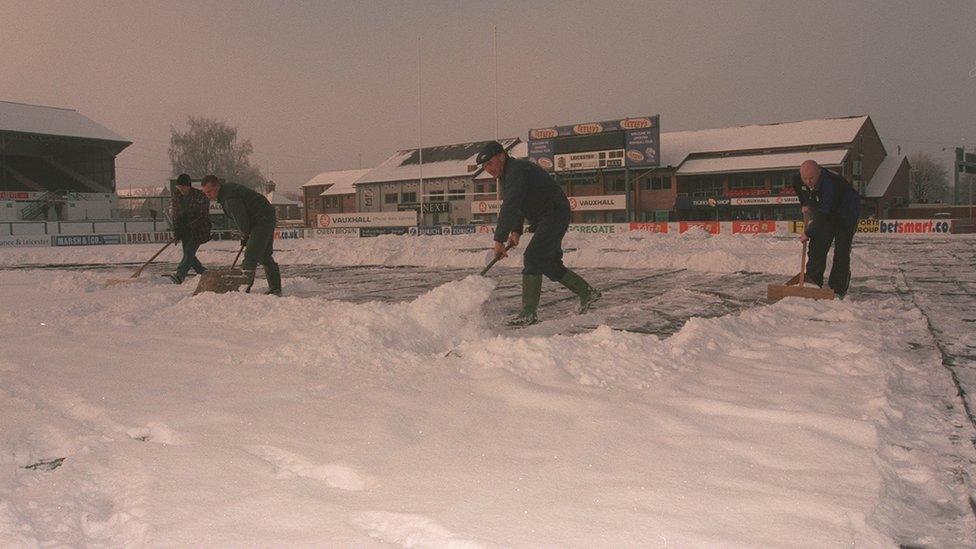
(330, 192)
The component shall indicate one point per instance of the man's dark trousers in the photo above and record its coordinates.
(260, 246)
(544, 254)
(831, 229)
(189, 261)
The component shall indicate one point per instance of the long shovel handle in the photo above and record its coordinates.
(238, 256)
(146, 264)
(803, 265)
(493, 261)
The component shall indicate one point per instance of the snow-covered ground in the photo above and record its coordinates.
(382, 403)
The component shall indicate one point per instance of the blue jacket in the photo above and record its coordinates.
(528, 193)
(833, 197)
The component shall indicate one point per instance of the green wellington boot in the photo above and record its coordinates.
(531, 292)
(587, 294)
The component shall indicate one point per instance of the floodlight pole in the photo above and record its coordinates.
(420, 134)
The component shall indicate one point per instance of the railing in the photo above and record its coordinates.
(40, 205)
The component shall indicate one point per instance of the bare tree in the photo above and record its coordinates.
(929, 180)
(210, 146)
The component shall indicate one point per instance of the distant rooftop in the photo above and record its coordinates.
(37, 119)
(337, 182)
(676, 146)
(440, 161)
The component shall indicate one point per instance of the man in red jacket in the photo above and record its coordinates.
(191, 225)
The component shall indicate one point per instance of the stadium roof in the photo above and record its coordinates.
(884, 175)
(337, 182)
(442, 161)
(677, 146)
(36, 119)
(760, 162)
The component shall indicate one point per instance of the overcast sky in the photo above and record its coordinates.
(321, 86)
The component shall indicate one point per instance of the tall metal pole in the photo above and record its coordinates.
(420, 131)
(494, 55)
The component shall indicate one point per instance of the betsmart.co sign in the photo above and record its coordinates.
(915, 226)
(367, 219)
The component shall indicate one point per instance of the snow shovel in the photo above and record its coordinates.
(493, 261)
(135, 275)
(221, 281)
(794, 287)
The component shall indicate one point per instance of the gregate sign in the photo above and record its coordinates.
(368, 219)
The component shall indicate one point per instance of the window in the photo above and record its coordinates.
(707, 185)
(455, 194)
(436, 196)
(616, 182)
(410, 197)
(656, 183)
(390, 198)
(745, 181)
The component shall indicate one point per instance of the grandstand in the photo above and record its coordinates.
(56, 163)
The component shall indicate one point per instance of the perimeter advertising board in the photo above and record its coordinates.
(368, 219)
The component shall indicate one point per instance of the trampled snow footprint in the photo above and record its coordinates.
(407, 530)
(336, 475)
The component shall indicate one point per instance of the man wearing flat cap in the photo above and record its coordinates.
(530, 194)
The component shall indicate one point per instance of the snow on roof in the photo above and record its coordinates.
(884, 175)
(757, 162)
(279, 199)
(442, 161)
(337, 182)
(140, 192)
(23, 118)
(676, 146)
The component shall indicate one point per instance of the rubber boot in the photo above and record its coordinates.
(531, 293)
(248, 278)
(587, 294)
(273, 274)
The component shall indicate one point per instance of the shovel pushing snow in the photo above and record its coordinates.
(221, 281)
(135, 276)
(794, 287)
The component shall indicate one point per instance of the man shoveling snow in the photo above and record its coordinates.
(529, 193)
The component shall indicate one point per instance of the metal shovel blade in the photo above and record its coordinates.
(220, 281)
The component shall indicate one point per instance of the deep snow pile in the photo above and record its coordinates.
(228, 420)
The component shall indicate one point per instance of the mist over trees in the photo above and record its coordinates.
(928, 179)
(210, 146)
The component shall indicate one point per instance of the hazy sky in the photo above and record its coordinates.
(322, 86)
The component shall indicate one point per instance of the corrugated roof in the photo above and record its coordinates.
(442, 161)
(676, 146)
(337, 182)
(23, 118)
(884, 175)
(758, 162)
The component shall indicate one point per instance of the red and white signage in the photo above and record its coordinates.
(368, 219)
(655, 227)
(753, 227)
(711, 227)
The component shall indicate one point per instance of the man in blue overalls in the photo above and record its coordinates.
(831, 208)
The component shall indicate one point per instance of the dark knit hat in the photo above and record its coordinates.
(184, 180)
(490, 149)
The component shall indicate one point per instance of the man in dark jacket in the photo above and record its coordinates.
(254, 217)
(191, 225)
(529, 193)
(831, 208)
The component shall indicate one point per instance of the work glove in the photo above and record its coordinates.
(244, 240)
